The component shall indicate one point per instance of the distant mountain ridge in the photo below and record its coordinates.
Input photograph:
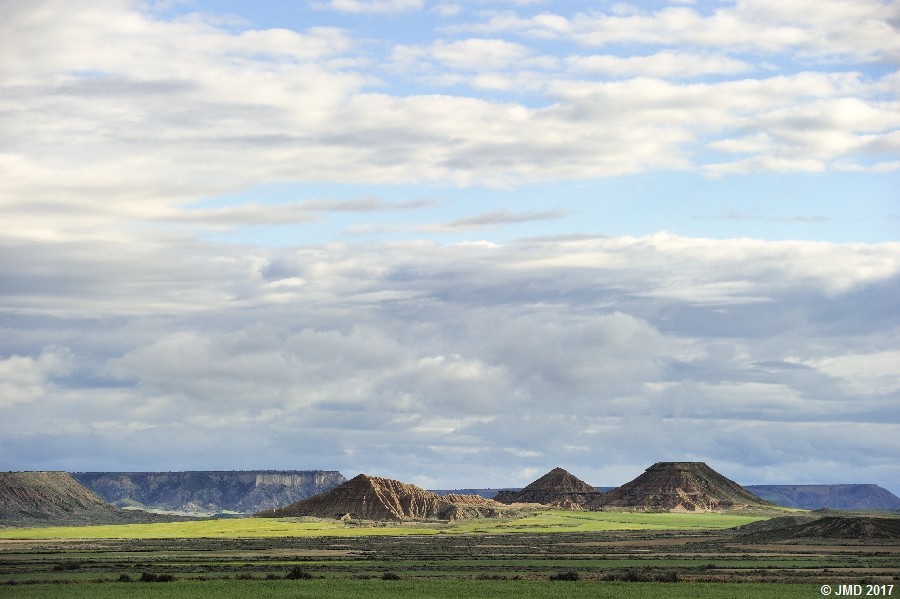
(805, 497)
(837, 497)
(214, 491)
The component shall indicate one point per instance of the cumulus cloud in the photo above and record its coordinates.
(25, 379)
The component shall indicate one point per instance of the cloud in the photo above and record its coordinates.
(812, 30)
(114, 115)
(546, 350)
(664, 64)
(500, 217)
(24, 379)
(470, 54)
(306, 211)
(128, 136)
(371, 6)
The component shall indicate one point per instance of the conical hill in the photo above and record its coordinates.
(373, 498)
(680, 486)
(558, 487)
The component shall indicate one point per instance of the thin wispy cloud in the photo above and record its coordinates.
(502, 217)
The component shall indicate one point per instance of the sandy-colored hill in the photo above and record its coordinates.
(373, 498)
(557, 488)
(680, 486)
(369, 498)
(55, 498)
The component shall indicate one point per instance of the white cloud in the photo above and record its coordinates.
(665, 64)
(830, 30)
(411, 357)
(471, 54)
(24, 379)
(114, 116)
(864, 373)
(372, 6)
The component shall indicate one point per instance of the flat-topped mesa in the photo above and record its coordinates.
(680, 487)
(557, 488)
(243, 491)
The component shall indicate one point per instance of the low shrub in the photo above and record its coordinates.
(390, 576)
(149, 577)
(298, 573)
(567, 575)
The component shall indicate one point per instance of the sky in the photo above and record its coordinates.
(452, 243)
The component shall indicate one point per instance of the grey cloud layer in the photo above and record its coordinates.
(427, 362)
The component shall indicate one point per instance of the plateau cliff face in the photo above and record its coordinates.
(680, 486)
(209, 491)
(557, 488)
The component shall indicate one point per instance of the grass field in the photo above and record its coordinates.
(417, 589)
(603, 554)
(545, 521)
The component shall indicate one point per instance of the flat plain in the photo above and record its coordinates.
(552, 553)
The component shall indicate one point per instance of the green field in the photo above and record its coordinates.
(417, 589)
(545, 521)
(598, 554)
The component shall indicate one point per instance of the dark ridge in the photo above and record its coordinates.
(241, 491)
(838, 497)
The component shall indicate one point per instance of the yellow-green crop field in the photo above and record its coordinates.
(543, 522)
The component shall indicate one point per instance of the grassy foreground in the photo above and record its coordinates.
(543, 522)
(413, 589)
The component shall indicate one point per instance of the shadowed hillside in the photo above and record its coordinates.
(55, 498)
(822, 527)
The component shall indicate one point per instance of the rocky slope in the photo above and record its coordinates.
(373, 498)
(246, 491)
(679, 486)
(837, 497)
(44, 498)
(558, 488)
